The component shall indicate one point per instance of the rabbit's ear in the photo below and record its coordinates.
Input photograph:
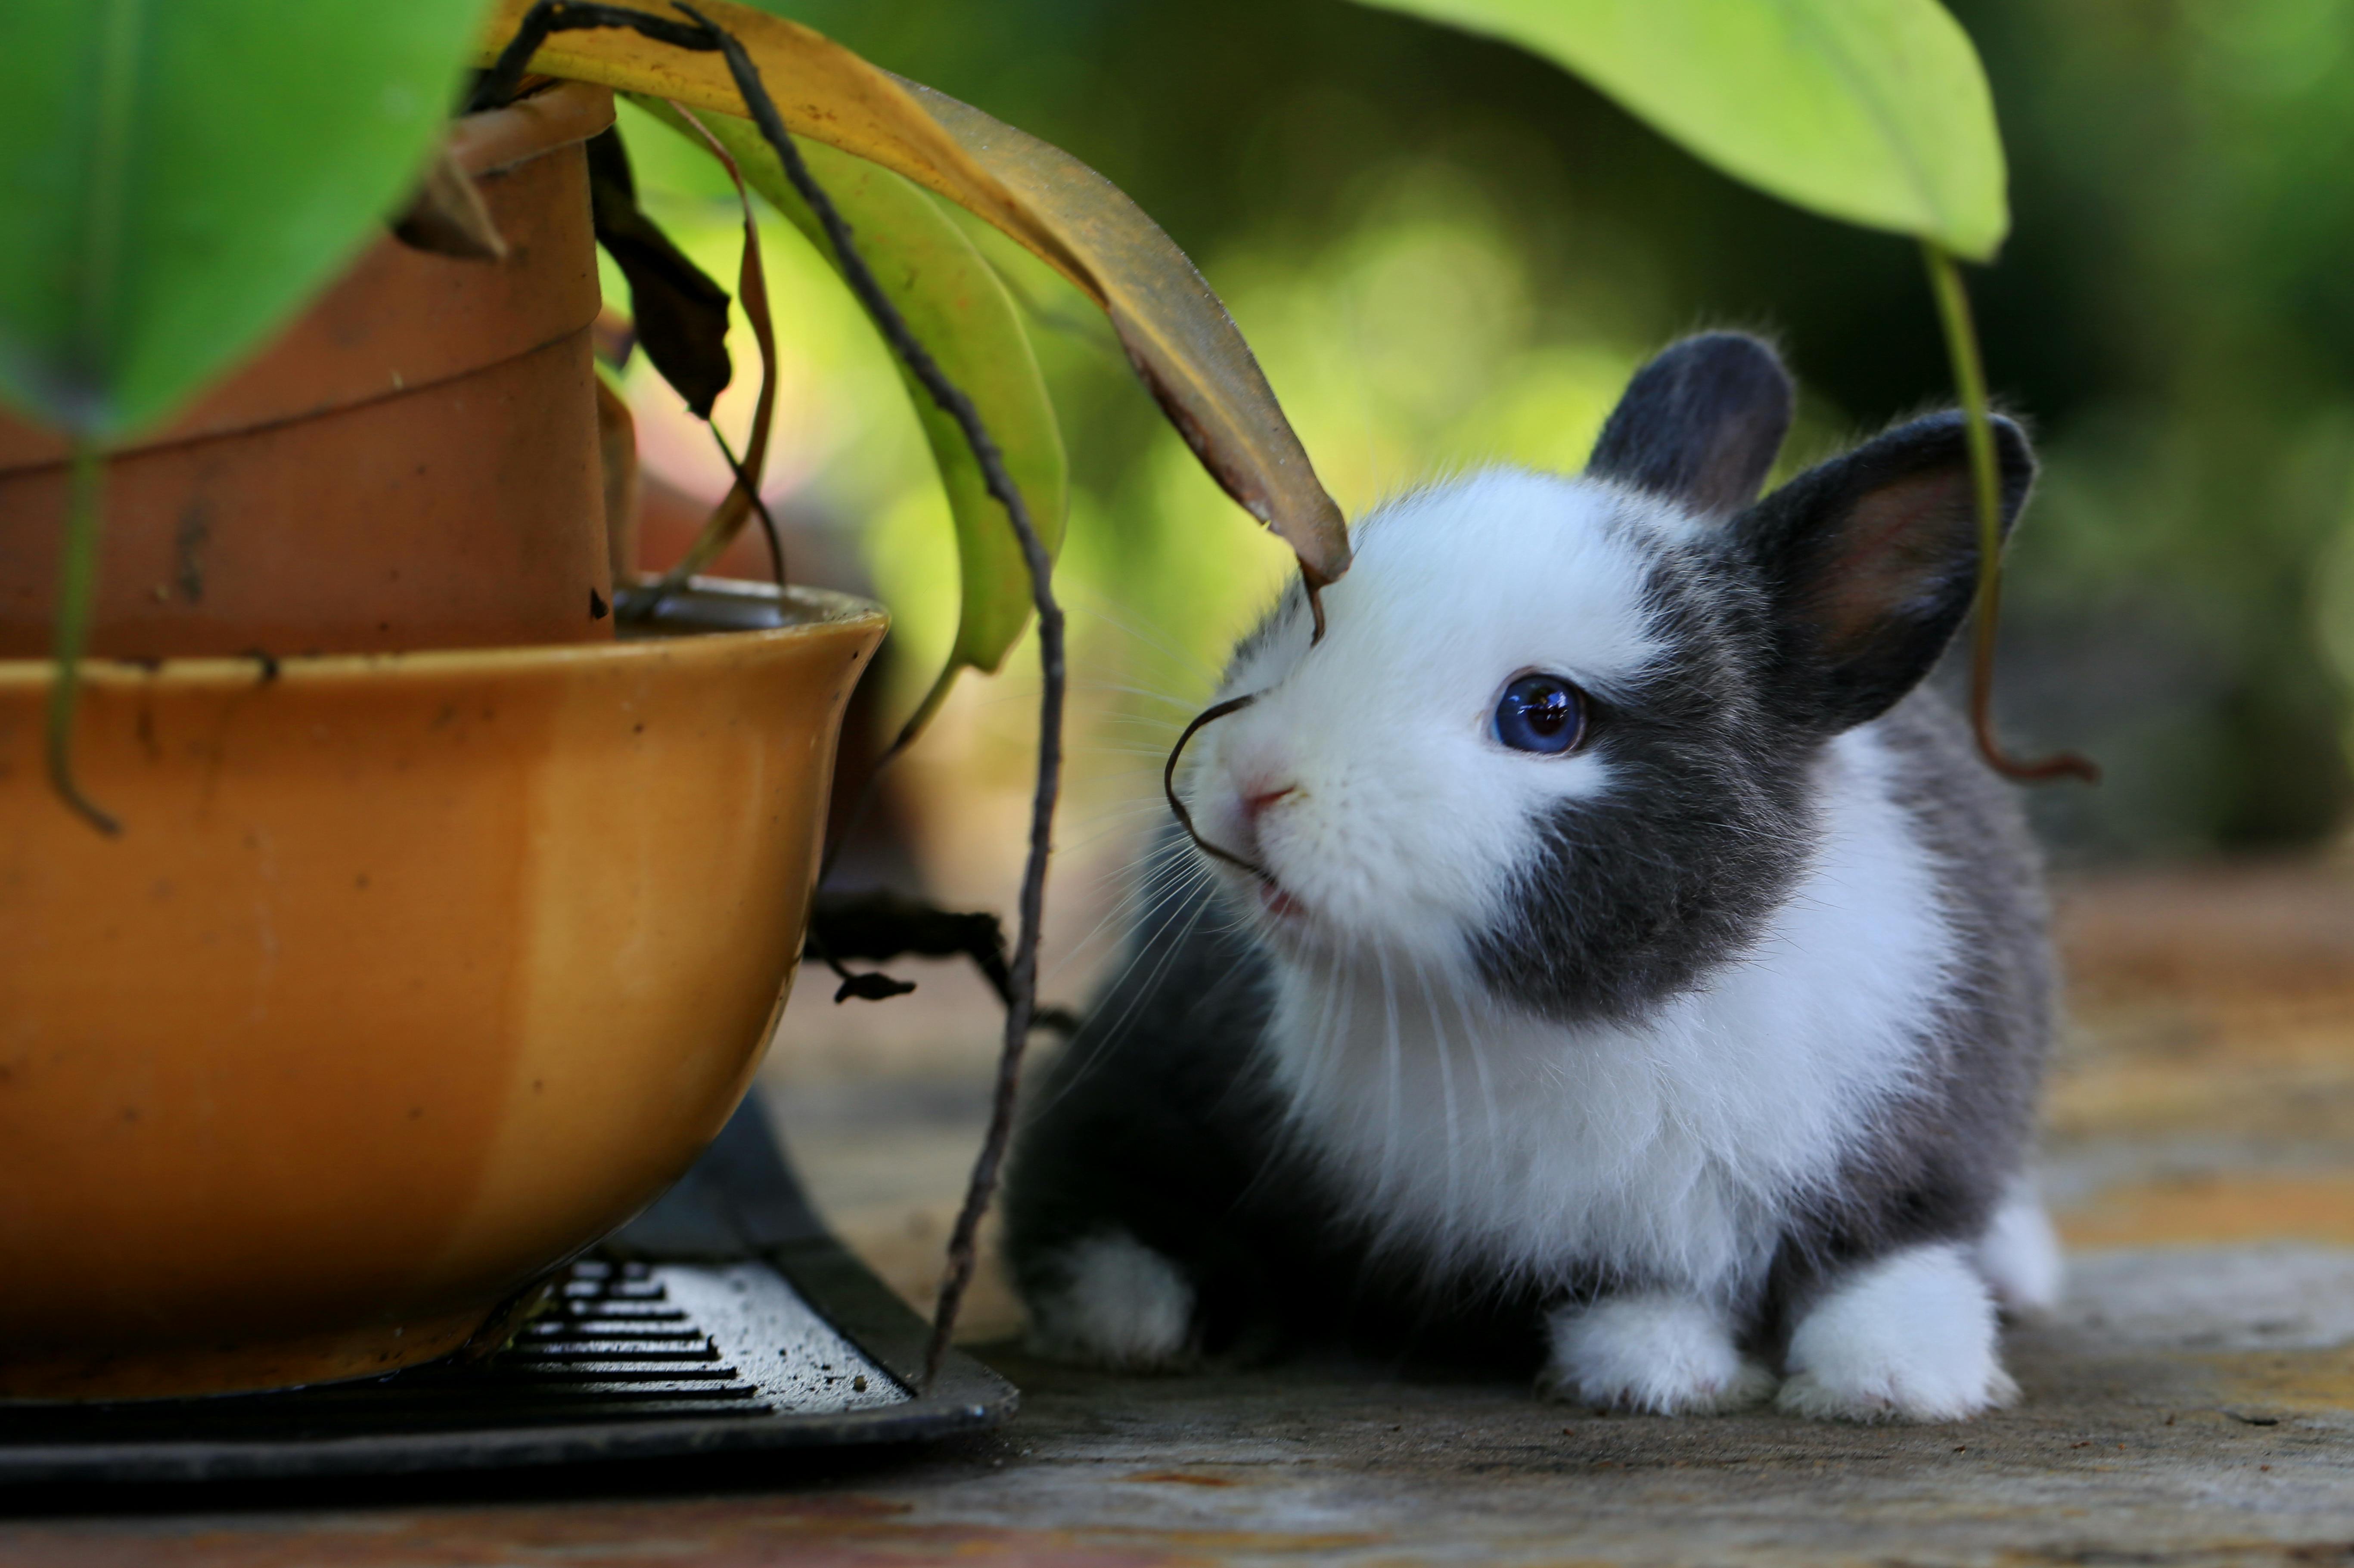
(1872, 560)
(1698, 425)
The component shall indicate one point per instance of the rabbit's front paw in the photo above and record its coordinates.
(1908, 1337)
(1116, 1303)
(1663, 1355)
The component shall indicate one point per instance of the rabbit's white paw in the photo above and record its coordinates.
(1666, 1355)
(1119, 1304)
(1910, 1337)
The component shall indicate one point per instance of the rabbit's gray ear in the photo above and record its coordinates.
(1699, 425)
(1872, 560)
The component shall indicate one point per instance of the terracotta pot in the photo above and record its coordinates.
(408, 977)
(412, 465)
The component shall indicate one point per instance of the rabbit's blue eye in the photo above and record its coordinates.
(1540, 713)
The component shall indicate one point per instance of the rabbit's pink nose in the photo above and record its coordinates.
(1257, 801)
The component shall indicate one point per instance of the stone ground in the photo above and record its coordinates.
(2193, 1405)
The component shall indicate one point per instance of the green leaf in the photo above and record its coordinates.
(1872, 111)
(184, 175)
(959, 309)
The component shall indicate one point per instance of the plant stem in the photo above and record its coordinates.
(1969, 380)
(77, 593)
(1021, 1009)
(554, 15)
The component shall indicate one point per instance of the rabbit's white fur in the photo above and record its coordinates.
(1712, 1034)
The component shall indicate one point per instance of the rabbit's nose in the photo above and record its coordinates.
(1255, 801)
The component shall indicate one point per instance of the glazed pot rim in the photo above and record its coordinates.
(813, 612)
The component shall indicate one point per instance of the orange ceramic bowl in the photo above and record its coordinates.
(408, 977)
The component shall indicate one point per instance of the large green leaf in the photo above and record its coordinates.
(184, 175)
(1872, 111)
(957, 309)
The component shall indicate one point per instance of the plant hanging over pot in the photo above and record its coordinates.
(190, 174)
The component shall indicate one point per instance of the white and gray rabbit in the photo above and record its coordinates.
(1634, 972)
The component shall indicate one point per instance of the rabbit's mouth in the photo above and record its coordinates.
(1279, 905)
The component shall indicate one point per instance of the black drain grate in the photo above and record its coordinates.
(615, 1349)
(614, 1336)
(725, 1317)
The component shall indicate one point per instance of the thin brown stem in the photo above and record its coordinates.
(77, 591)
(1020, 1012)
(1023, 1009)
(1969, 379)
(1169, 779)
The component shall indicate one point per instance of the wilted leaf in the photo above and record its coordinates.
(183, 176)
(958, 309)
(1176, 332)
(1872, 111)
(680, 314)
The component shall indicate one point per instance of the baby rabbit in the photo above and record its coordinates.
(1626, 964)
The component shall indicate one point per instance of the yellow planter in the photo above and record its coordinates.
(409, 977)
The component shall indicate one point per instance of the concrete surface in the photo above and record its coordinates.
(2193, 1405)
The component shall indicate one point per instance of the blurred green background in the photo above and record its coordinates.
(1447, 253)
